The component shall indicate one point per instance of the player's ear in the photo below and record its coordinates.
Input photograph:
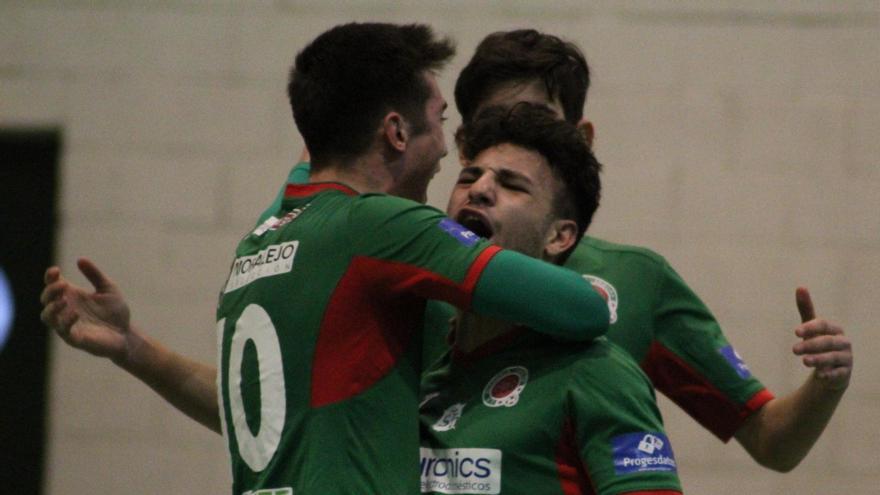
(561, 236)
(586, 128)
(395, 131)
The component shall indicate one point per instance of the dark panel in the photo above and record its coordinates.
(28, 176)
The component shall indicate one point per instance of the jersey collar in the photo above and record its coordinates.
(306, 190)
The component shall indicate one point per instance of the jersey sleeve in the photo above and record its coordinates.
(415, 248)
(617, 429)
(299, 174)
(691, 362)
(438, 323)
(537, 294)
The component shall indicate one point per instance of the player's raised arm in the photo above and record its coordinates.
(99, 323)
(781, 434)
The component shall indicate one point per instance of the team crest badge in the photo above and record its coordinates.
(504, 388)
(607, 291)
(449, 418)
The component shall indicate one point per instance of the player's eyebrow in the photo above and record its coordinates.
(503, 173)
(471, 169)
(508, 174)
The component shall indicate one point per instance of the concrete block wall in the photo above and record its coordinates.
(740, 140)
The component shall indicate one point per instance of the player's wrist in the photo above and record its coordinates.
(133, 351)
(829, 385)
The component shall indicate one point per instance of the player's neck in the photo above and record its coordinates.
(364, 174)
(472, 331)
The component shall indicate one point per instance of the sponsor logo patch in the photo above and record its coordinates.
(642, 452)
(607, 291)
(274, 260)
(504, 388)
(733, 358)
(460, 470)
(450, 418)
(459, 232)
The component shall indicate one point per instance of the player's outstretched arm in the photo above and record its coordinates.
(781, 433)
(554, 300)
(99, 323)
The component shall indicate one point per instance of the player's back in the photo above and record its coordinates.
(319, 379)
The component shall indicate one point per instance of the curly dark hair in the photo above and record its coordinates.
(536, 127)
(344, 82)
(523, 56)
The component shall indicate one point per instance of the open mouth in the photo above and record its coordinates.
(476, 223)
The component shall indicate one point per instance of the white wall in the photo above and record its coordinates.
(740, 140)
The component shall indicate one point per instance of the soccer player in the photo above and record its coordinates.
(515, 412)
(655, 316)
(320, 318)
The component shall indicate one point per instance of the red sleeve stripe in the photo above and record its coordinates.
(694, 393)
(758, 400)
(476, 269)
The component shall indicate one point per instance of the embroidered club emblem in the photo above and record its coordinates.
(607, 291)
(504, 388)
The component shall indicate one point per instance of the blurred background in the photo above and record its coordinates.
(740, 140)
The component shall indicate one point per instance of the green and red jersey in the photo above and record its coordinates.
(527, 414)
(319, 331)
(659, 320)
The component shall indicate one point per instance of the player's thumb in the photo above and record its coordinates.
(804, 304)
(95, 275)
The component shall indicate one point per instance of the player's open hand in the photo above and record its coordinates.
(824, 346)
(96, 322)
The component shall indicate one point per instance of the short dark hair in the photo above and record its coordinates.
(536, 127)
(344, 81)
(522, 56)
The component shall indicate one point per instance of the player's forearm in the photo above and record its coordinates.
(186, 384)
(550, 299)
(782, 433)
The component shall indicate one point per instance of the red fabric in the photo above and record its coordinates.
(696, 394)
(370, 319)
(573, 476)
(477, 267)
(304, 190)
(758, 400)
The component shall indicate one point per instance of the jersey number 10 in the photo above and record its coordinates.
(253, 325)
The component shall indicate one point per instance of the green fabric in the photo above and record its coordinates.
(545, 297)
(651, 305)
(556, 431)
(299, 174)
(366, 442)
(438, 315)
